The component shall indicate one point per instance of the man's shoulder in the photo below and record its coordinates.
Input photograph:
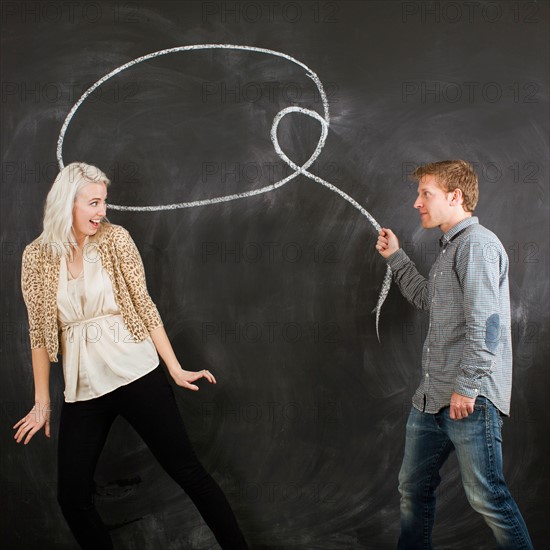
(479, 233)
(477, 243)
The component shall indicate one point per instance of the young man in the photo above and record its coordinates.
(466, 360)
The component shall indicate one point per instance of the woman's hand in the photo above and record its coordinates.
(181, 377)
(184, 378)
(37, 418)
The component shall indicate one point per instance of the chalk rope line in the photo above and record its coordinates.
(324, 121)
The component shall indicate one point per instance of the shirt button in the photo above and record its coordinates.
(427, 375)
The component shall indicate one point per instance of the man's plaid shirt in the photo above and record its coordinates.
(468, 348)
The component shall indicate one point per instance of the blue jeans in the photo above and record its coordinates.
(477, 440)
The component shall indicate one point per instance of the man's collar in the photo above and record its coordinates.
(458, 228)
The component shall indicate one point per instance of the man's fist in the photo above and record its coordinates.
(387, 242)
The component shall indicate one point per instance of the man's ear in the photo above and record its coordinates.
(457, 198)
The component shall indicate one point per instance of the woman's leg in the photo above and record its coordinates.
(83, 430)
(150, 407)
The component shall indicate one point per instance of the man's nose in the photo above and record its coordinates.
(417, 203)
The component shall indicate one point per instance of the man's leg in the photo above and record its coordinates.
(478, 442)
(426, 449)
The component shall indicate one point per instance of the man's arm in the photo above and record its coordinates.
(478, 264)
(412, 285)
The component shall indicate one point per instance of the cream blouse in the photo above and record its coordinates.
(99, 353)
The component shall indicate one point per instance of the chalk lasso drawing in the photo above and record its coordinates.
(324, 121)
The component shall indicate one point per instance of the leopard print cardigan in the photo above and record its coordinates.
(119, 257)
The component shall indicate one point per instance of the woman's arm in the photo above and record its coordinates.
(39, 415)
(31, 287)
(181, 377)
(133, 272)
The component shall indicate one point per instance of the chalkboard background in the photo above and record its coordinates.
(273, 293)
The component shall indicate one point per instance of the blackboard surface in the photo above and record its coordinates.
(273, 292)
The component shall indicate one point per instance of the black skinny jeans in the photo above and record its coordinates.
(148, 404)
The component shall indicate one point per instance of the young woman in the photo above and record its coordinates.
(84, 287)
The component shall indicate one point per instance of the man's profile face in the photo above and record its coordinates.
(434, 204)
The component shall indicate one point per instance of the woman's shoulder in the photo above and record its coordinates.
(34, 246)
(113, 236)
(35, 250)
(37, 255)
(111, 231)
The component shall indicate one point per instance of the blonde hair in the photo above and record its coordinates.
(451, 175)
(57, 232)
